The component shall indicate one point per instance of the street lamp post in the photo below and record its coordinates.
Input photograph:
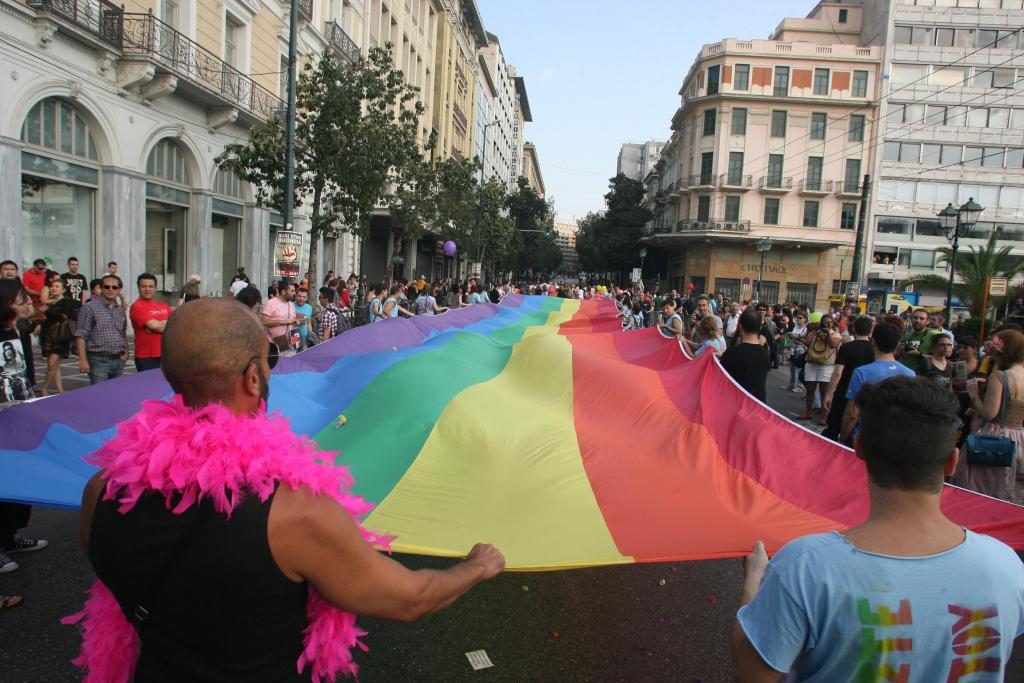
(643, 255)
(957, 222)
(763, 245)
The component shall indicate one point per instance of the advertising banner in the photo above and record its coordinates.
(287, 254)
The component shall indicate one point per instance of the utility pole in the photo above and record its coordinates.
(289, 140)
(853, 287)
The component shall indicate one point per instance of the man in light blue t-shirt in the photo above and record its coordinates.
(908, 595)
(885, 337)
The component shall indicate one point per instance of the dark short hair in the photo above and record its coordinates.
(328, 293)
(94, 283)
(967, 340)
(886, 337)
(111, 263)
(938, 314)
(9, 262)
(39, 261)
(249, 295)
(72, 258)
(108, 276)
(704, 297)
(894, 461)
(862, 326)
(139, 279)
(750, 321)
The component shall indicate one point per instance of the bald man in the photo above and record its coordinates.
(224, 598)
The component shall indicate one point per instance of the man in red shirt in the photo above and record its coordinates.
(149, 316)
(34, 279)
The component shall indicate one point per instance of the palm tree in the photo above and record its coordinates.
(973, 269)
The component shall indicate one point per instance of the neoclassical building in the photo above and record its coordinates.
(111, 122)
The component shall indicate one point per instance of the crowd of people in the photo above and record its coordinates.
(919, 404)
(832, 354)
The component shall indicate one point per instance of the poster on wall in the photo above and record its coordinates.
(287, 251)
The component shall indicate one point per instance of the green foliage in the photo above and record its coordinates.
(973, 268)
(355, 136)
(610, 241)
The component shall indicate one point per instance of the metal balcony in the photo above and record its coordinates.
(201, 74)
(702, 181)
(735, 181)
(770, 183)
(712, 225)
(846, 188)
(815, 187)
(344, 46)
(97, 19)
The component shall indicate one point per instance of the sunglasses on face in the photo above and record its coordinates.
(111, 287)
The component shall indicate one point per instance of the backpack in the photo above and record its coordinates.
(819, 350)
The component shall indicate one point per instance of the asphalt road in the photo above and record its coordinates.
(602, 624)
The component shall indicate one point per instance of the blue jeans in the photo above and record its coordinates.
(102, 368)
(794, 374)
(143, 364)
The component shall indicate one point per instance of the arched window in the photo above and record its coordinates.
(168, 163)
(54, 124)
(227, 183)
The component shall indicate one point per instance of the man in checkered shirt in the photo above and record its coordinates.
(330, 315)
(102, 332)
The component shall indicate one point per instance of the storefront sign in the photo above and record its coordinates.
(997, 286)
(768, 268)
(287, 252)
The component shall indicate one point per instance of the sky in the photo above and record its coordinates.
(601, 73)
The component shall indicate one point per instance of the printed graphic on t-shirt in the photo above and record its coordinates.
(887, 642)
(13, 382)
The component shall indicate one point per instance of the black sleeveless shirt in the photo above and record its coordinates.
(224, 612)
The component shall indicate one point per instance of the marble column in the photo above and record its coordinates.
(257, 251)
(121, 232)
(10, 200)
(200, 235)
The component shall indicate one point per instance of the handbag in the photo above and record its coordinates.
(989, 450)
(816, 354)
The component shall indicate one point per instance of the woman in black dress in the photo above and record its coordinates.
(57, 332)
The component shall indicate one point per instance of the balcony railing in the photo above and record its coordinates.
(736, 180)
(712, 225)
(850, 188)
(773, 183)
(702, 180)
(98, 18)
(144, 34)
(815, 186)
(306, 10)
(342, 44)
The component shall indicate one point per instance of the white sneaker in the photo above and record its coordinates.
(7, 565)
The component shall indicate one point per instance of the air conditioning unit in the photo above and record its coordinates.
(718, 226)
(729, 226)
(696, 226)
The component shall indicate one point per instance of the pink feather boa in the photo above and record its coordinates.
(213, 453)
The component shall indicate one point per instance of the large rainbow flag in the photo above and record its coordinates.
(536, 425)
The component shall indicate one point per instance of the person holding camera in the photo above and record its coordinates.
(917, 342)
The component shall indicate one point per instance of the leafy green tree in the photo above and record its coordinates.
(973, 268)
(355, 147)
(609, 241)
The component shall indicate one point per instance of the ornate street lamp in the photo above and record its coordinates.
(763, 245)
(957, 223)
(643, 255)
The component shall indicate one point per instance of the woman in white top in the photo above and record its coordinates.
(798, 351)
